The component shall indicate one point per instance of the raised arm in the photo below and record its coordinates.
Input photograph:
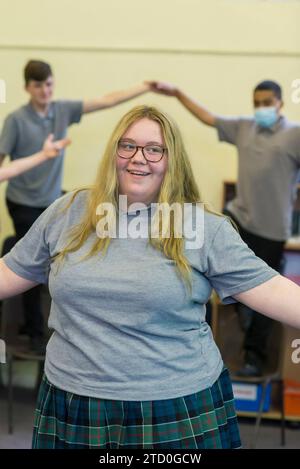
(10, 283)
(50, 150)
(115, 98)
(278, 298)
(189, 103)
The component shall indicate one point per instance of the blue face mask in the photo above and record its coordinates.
(266, 116)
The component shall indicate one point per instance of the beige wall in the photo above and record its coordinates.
(215, 49)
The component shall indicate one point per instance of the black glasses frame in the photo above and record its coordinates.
(142, 148)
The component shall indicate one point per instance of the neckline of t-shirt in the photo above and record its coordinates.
(34, 112)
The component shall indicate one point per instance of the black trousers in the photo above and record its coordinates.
(271, 252)
(23, 218)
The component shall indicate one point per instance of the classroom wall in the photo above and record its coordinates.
(216, 50)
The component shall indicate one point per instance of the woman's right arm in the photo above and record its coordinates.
(12, 284)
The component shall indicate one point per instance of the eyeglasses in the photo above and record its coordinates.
(152, 153)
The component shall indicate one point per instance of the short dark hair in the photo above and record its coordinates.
(37, 70)
(269, 85)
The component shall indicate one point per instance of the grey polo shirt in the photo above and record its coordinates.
(23, 134)
(268, 164)
(124, 325)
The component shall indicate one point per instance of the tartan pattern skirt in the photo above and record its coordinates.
(204, 420)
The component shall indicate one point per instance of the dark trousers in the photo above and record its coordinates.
(272, 253)
(23, 218)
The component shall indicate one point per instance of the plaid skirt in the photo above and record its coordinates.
(206, 419)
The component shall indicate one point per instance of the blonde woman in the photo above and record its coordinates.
(131, 362)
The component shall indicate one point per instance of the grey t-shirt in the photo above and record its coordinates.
(125, 327)
(23, 134)
(268, 165)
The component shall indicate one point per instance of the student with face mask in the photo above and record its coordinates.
(268, 148)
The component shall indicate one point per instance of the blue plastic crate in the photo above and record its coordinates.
(248, 395)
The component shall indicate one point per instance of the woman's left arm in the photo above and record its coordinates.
(278, 298)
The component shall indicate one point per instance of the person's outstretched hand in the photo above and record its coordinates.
(52, 148)
(162, 87)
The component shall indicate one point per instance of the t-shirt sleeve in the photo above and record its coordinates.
(73, 110)
(30, 257)
(232, 267)
(228, 129)
(8, 137)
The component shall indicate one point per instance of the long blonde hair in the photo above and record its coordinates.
(178, 185)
